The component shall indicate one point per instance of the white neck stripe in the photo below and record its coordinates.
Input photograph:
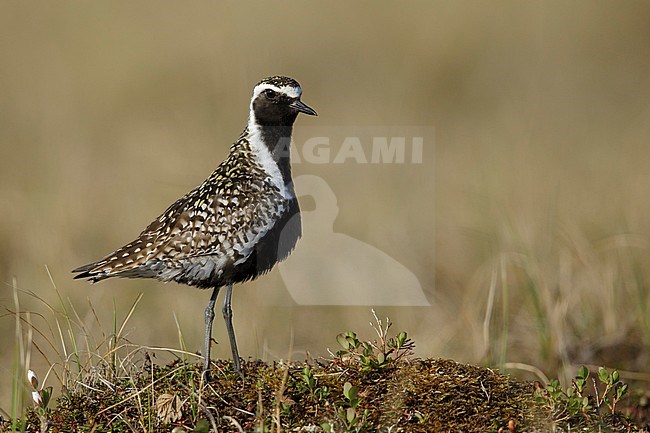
(265, 159)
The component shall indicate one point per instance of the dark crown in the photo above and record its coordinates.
(279, 81)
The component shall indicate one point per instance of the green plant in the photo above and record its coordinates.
(562, 404)
(577, 401)
(311, 384)
(378, 353)
(348, 414)
(614, 388)
(611, 394)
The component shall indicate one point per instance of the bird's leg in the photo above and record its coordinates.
(227, 316)
(209, 317)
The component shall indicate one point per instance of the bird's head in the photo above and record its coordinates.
(276, 102)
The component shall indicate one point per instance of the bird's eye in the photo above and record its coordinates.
(270, 94)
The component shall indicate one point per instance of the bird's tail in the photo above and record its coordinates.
(127, 262)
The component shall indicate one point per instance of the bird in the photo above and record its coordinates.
(236, 225)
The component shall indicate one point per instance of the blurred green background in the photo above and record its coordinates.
(527, 223)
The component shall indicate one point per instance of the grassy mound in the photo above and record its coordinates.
(342, 395)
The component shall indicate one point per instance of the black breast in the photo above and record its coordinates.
(274, 247)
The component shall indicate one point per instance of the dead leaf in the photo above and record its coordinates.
(168, 408)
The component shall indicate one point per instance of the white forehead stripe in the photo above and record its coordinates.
(290, 91)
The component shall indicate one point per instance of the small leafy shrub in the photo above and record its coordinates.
(373, 355)
(583, 400)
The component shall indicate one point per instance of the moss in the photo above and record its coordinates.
(421, 395)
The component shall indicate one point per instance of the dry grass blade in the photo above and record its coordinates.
(181, 338)
(128, 315)
(234, 422)
(526, 367)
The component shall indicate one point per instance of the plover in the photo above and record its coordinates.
(233, 227)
